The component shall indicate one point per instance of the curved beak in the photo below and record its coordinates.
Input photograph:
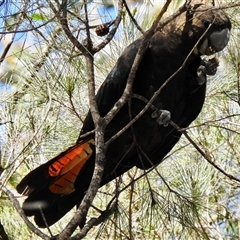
(216, 42)
(219, 40)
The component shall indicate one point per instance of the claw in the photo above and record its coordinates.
(211, 65)
(201, 73)
(163, 117)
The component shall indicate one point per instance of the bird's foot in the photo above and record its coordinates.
(208, 67)
(211, 65)
(163, 117)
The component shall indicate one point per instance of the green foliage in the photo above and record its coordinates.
(38, 17)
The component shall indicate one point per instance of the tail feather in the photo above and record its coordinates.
(65, 184)
(51, 188)
(49, 208)
(72, 157)
(67, 168)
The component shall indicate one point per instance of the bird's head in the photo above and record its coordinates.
(211, 26)
(203, 26)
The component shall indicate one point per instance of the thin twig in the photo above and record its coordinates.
(113, 30)
(110, 209)
(22, 214)
(204, 154)
(64, 24)
(6, 50)
(132, 18)
(28, 30)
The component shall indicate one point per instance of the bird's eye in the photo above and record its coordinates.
(219, 29)
(206, 22)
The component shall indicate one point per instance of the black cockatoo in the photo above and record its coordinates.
(61, 183)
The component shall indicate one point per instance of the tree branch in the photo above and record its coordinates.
(112, 32)
(132, 18)
(110, 209)
(100, 125)
(144, 45)
(204, 154)
(22, 214)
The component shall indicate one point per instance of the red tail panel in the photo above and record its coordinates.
(67, 167)
(71, 158)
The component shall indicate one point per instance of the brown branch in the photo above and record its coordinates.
(81, 212)
(112, 32)
(227, 6)
(64, 23)
(217, 126)
(155, 168)
(89, 40)
(127, 94)
(110, 209)
(62, 18)
(103, 43)
(132, 121)
(99, 161)
(36, 67)
(144, 45)
(213, 121)
(6, 50)
(70, 108)
(99, 131)
(204, 154)
(76, 16)
(132, 18)
(73, 109)
(2, 123)
(28, 30)
(22, 214)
